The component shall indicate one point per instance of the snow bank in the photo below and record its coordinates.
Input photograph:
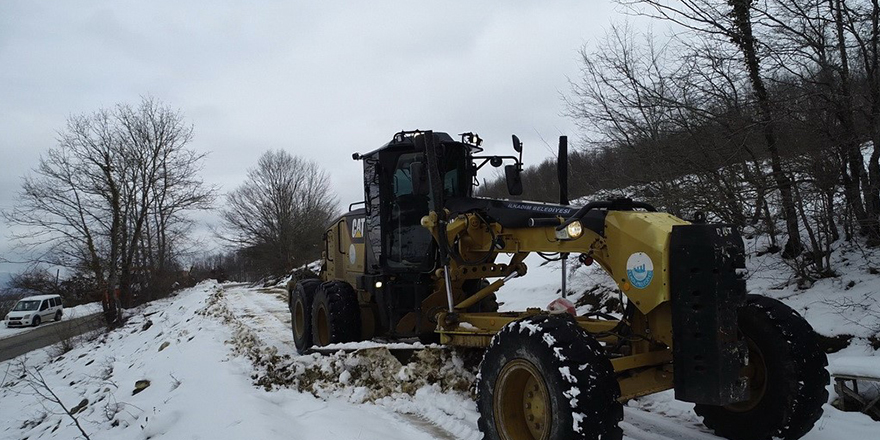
(221, 364)
(861, 366)
(197, 389)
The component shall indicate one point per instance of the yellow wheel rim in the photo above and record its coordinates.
(521, 403)
(756, 371)
(323, 326)
(299, 318)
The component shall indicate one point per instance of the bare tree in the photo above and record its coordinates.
(672, 111)
(279, 214)
(34, 279)
(87, 204)
(733, 21)
(162, 185)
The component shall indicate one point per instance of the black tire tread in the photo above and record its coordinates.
(306, 289)
(343, 309)
(809, 361)
(587, 362)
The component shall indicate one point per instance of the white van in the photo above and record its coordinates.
(35, 309)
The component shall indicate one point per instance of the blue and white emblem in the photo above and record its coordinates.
(640, 270)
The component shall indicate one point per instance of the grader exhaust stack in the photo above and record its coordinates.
(562, 173)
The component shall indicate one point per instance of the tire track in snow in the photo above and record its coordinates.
(638, 424)
(439, 419)
(263, 302)
(642, 425)
(427, 426)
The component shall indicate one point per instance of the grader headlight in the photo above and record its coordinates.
(573, 231)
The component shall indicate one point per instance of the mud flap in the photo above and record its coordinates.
(707, 292)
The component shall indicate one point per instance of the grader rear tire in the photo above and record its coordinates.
(300, 304)
(787, 377)
(543, 377)
(335, 314)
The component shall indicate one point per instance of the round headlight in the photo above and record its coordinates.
(574, 229)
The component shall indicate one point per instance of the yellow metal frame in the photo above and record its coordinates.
(638, 374)
(647, 366)
(626, 233)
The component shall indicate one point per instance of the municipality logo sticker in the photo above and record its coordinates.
(640, 270)
(352, 254)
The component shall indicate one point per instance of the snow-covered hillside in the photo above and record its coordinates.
(201, 381)
(220, 364)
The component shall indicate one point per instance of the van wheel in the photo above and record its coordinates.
(335, 314)
(58, 316)
(36, 321)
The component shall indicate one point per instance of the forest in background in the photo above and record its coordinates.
(762, 114)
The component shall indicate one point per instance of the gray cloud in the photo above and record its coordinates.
(319, 79)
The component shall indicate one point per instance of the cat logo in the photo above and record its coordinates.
(357, 227)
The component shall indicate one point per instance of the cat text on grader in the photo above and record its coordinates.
(425, 258)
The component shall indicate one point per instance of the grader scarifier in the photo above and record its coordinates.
(425, 258)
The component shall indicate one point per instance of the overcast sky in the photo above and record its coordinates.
(318, 79)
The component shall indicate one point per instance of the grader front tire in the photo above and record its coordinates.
(544, 377)
(787, 377)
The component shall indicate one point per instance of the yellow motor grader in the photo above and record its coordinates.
(425, 258)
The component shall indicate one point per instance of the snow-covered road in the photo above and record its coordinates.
(221, 365)
(657, 417)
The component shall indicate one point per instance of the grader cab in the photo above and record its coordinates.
(426, 258)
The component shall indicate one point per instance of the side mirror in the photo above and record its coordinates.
(514, 180)
(517, 145)
(419, 178)
(513, 172)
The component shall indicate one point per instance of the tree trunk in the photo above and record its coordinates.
(744, 38)
(111, 301)
(872, 193)
(854, 159)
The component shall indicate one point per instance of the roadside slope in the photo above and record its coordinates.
(221, 365)
(197, 388)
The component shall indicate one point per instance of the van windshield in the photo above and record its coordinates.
(24, 306)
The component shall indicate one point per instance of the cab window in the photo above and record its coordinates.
(456, 180)
(403, 180)
(408, 244)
